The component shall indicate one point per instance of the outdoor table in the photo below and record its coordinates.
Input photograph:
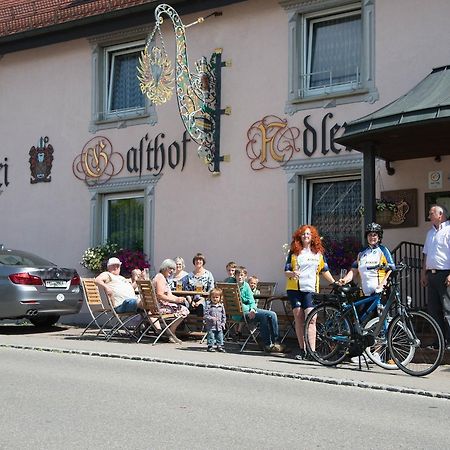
(192, 293)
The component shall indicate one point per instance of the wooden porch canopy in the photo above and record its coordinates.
(416, 125)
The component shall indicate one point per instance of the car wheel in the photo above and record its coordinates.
(43, 321)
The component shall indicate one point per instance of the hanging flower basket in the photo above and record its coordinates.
(384, 217)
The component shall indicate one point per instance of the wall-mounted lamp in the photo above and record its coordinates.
(390, 170)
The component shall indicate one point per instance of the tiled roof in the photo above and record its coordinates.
(17, 16)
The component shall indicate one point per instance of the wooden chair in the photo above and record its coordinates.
(99, 311)
(267, 287)
(266, 290)
(122, 322)
(235, 316)
(152, 317)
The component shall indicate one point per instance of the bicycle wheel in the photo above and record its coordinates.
(379, 352)
(417, 329)
(332, 337)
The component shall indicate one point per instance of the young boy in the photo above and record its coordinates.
(230, 267)
(215, 320)
(253, 283)
(268, 320)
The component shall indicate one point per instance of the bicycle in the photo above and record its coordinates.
(412, 339)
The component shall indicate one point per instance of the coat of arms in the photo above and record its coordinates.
(41, 159)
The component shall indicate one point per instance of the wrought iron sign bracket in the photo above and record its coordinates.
(218, 158)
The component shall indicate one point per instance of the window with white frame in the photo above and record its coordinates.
(122, 92)
(117, 99)
(331, 53)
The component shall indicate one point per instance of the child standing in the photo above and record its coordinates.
(215, 320)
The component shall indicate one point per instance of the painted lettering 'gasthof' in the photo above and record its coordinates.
(152, 154)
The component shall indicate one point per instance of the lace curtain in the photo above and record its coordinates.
(125, 92)
(335, 50)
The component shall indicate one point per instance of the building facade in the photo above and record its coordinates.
(110, 165)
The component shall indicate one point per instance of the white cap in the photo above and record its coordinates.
(112, 261)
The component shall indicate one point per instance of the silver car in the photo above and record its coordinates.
(32, 287)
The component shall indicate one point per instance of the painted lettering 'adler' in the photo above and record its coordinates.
(4, 171)
(152, 154)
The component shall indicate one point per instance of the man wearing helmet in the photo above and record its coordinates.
(373, 278)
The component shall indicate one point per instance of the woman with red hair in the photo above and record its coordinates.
(304, 264)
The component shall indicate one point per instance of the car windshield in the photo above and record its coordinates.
(18, 258)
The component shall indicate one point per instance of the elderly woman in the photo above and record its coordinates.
(178, 278)
(168, 303)
(199, 278)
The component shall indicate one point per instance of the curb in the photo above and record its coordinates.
(295, 376)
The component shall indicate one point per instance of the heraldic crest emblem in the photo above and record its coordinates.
(41, 160)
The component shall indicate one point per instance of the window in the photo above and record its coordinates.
(336, 203)
(331, 53)
(325, 192)
(117, 99)
(122, 211)
(123, 93)
(123, 220)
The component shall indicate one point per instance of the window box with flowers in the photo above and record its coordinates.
(95, 258)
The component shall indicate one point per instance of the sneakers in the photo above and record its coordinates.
(219, 349)
(275, 348)
(303, 356)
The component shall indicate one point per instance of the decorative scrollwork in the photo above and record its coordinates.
(155, 75)
(196, 90)
(271, 143)
(97, 163)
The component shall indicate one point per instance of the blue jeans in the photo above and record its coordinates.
(128, 305)
(214, 337)
(268, 325)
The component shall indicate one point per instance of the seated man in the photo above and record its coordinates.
(118, 288)
(268, 320)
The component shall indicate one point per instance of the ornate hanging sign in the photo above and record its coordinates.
(41, 161)
(198, 91)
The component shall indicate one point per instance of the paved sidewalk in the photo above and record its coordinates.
(67, 339)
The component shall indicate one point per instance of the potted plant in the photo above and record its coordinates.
(95, 258)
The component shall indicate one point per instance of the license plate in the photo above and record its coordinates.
(56, 284)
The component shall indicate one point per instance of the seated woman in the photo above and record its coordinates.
(180, 274)
(199, 278)
(168, 303)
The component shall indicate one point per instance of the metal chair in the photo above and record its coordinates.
(153, 316)
(234, 313)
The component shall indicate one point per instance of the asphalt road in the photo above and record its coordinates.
(55, 401)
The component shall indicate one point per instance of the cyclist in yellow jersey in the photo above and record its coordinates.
(375, 254)
(304, 264)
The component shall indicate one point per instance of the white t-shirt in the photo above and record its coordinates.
(121, 289)
(437, 247)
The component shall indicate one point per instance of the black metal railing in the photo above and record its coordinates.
(411, 254)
